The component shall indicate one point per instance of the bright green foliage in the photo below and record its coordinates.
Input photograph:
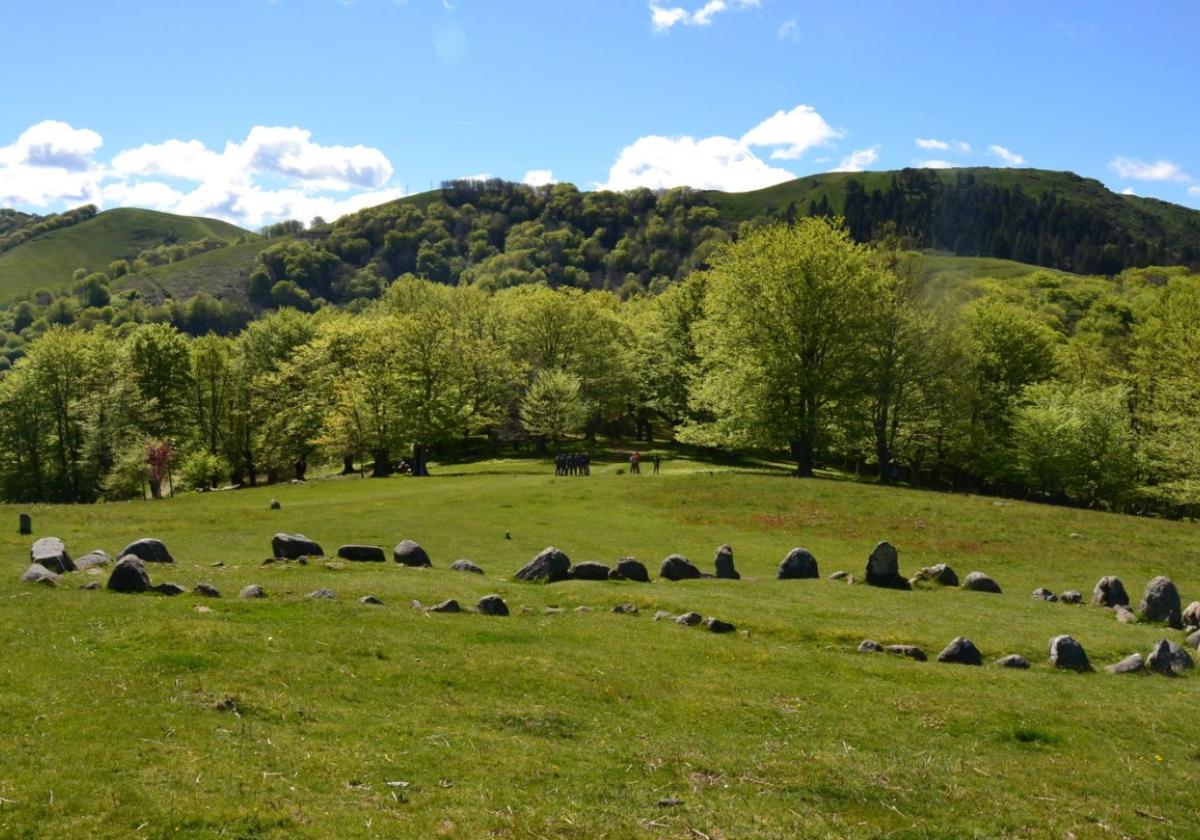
(161, 367)
(552, 407)
(202, 470)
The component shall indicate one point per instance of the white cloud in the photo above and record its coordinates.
(859, 160)
(1009, 158)
(936, 164)
(718, 163)
(797, 131)
(1128, 191)
(1140, 170)
(173, 159)
(664, 18)
(962, 146)
(538, 178)
(789, 30)
(931, 145)
(50, 162)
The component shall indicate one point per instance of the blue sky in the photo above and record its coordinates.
(255, 110)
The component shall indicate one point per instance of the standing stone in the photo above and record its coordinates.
(37, 573)
(1068, 654)
(961, 652)
(492, 605)
(1013, 660)
(883, 568)
(129, 575)
(1160, 602)
(1043, 594)
(1110, 592)
(1169, 659)
(409, 553)
(51, 552)
(798, 565)
(93, 559)
(940, 574)
(295, 546)
(678, 567)
(551, 565)
(979, 582)
(362, 553)
(589, 571)
(1191, 615)
(465, 566)
(724, 563)
(25, 524)
(275, 505)
(148, 551)
(1129, 665)
(630, 568)
(252, 591)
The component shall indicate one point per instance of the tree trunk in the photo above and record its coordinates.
(382, 467)
(348, 465)
(301, 469)
(155, 488)
(802, 451)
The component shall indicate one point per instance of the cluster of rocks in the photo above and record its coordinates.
(1160, 603)
(694, 619)
(50, 562)
(299, 548)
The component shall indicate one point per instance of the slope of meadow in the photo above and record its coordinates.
(186, 717)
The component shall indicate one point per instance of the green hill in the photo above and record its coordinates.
(221, 273)
(49, 260)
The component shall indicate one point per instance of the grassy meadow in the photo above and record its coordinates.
(146, 716)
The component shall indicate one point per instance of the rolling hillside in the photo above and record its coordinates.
(49, 260)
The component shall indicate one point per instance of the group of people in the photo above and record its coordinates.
(572, 463)
(635, 463)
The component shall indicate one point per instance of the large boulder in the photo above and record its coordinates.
(678, 567)
(148, 551)
(37, 573)
(1110, 592)
(1068, 654)
(724, 563)
(295, 546)
(129, 575)
(551, 565)
(941, 574)
(51, 553)
(589, 571)
(1160, 602)
(1129, 665)
(979, 582)
(1169, 658)
(799, 564)
(961, 652)
(465, 566)
(883, 568)
(362, 553)
(630, 568)
(492, 605)
(93, 560)
(408, 553)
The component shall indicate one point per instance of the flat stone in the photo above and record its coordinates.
(941, 574)
(1129, 665)
(370, 601)
(1193, 639)
(1125, 615)
(910, 651)
(295, 546)
(689, 619)
(1043, 594)
(408, 553)
(589, 571)
(37, 573)
(206, 590)
(252, 591)
(362, 553)
(169, 588)
(840, 574)
(96, 559)
(321, 595)
(465, 566)
(716, 625)
(492, 605)
(91, 586)
(625, 609)
(1071, 596)
(51, 553)
(961, 651)
(448, 606)
(1013, 660)
(663, 615)
(869, 646)
(1068, 654)
(148, 550)
(979, 582)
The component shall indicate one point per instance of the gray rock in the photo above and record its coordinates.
(24, 524)
(1169, 658)
(961, 652)
(252, 591)
(295, 546)
(1160, 602)
(583, 608)
(465, 566)
(1129, 665)
(1068, 654)
(840, 574)
(870, 646)
(1125, 615)
(1043, 594)
(51, 553)
(589, 571)
(93, 560)
(551, 565)
(129, 575)
(91, 586)
(321, 595)
(630, 568)
(362, 553)
(1071, 596)
(206, 590)
(663, 615)
(940, 574)
(678, 567)
(625, 609)
(689, 619)
(911, 651)
(169, 588)
(724, 564)
(1193, 639)
(275, 504)
(408, 553)
(37, 573)
(448, 606)
(716, 625)
(883, 568)
(492, 605)
(1013, 660)
(799, 564)
(148, 550)
(1191, 615)
(1110, 592)
(370, 601)
(979, 582)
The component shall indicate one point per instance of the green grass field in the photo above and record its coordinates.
(222, 273)
(49, 260)
(147, 716)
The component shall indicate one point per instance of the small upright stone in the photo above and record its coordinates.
(1169, 659)
(630, 568)
(1160, 602)
(551, 565)
(1068, 654)
(961, 651)
(148, 550)
(1013, 660)
(492, 605)
(51, 552)
(129, 575)
(408, 553)
(883, 568)
(1129, 665)
(25, 524)
(799, 564)
(979, 582)
(465, 566)
(678, 567)
(1110, 592)
(252, 591)
(275, 504)
(724, 563)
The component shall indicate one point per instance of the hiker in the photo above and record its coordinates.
(635, 461)
(656, 461)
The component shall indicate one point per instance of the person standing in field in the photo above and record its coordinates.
(656, 461)
(635, 461)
